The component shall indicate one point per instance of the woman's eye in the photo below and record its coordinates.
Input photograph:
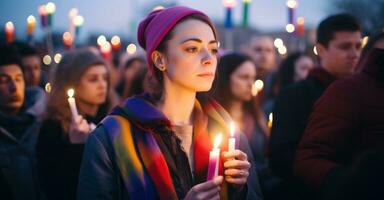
(191, 50)
(214, 51)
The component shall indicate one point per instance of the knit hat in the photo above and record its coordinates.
(158, 23)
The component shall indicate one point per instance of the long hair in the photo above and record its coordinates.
(286, 73)
(67, 75)
(222, 90)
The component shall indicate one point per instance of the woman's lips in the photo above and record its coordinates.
(208, 74)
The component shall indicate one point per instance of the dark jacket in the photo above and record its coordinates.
(290, 116)
(101, 178)
(347, 122)
(18, 135)
(59, 160)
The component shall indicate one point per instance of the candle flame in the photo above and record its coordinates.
(300, 20)
(232, 128)
(78, 20)
(31, 19)
(73, 13)
(70, 92)
(131, 48)
(115, 40)
(271, 117)
(50, 7)
(42, 10)
(229, 3)
(9, 27)
(291, 3)
(217, 142)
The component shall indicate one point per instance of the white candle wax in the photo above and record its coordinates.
(214, 158)
(232, 140)
(72, 103)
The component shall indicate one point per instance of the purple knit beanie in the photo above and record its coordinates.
(158, 23)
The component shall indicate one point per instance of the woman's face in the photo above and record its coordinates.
(190, 57)
(302, 67)
(93, 86)
(241, 81)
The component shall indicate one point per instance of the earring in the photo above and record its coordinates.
(162, 68)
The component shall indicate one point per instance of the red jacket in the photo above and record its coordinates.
(346, 121)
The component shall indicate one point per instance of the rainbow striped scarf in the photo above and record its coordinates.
(143, 168)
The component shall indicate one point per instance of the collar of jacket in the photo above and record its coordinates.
(319, 73)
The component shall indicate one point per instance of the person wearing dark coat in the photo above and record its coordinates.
(338, 46)
(62, 136)
(20, 118)
(341, 153)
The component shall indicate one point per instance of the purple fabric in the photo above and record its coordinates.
(158, 23)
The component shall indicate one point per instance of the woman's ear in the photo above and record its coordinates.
(158, 60)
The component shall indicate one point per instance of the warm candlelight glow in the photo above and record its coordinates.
(31, 19)
(247, 1)
(300, 20)
(131, 48)
(257, 87)
(364, 41)
(47, 60)
(48, 87)
(217, 141)
(315, 50)
(78, 20)
(9, 27)
(278, 42)
(106, 48)
(115, 41)
(70, 92)
(291, 3)
(57, 58)
(290, 28)
(101, 40)
(73, 13)
(42, 10)
(229, 3)
(282, 50)
(67, 39)
(232, 128)
(270, 120)
(50, 7)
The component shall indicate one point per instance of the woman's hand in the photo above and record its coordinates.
(236, 167)
(208, 190)
(79, 130)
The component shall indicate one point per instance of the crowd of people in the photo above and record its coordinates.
(145, 126)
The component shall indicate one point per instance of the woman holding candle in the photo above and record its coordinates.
(236, 75)
(157, 146)
(62, 136)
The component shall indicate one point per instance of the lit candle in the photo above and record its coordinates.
(232, 140)
(106, 50)
(300, 26)
(72, 103)
(31, 23)
(50, 7)
(291, 4)
(214, 158)
(257, 86)
(9, 32)
(78, 21)
(229, 4)
(245, 12)
(43, 16)
(115, 41)
(67, 40)
(270, 120)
